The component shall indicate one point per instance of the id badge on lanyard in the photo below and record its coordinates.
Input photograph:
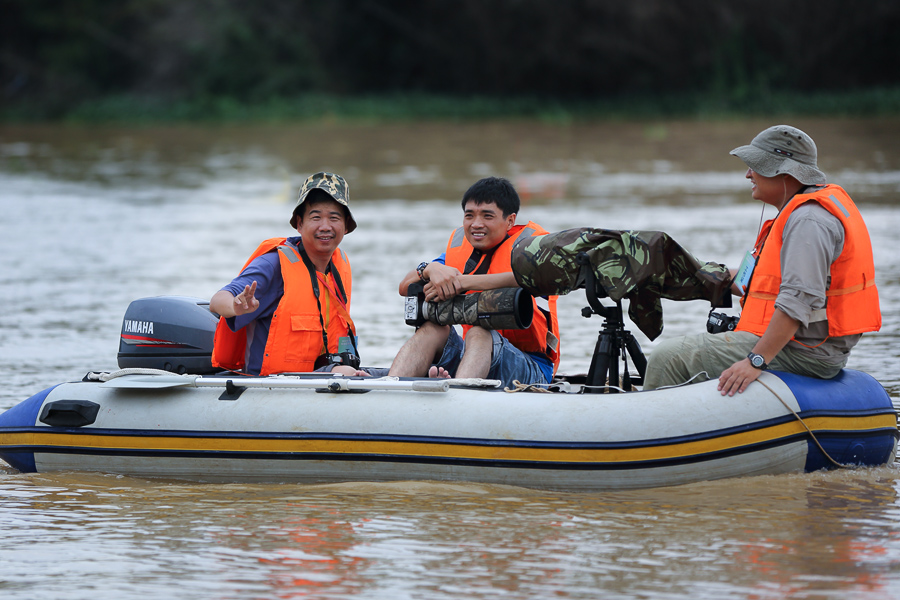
(742, 279)
(347, 343)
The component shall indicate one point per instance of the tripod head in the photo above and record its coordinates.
(614, 342)
(591, 292)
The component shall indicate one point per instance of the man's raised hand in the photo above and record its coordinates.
(246, 301)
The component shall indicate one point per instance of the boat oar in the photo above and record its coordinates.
(335, 384)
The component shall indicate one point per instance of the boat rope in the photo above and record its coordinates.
(811, 434)
(684, 383)
(517, 386)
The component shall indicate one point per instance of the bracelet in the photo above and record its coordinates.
(421, 270)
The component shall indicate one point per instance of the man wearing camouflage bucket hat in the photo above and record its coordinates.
(288, 310)
(807, 286)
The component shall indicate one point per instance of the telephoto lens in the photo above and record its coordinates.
(505, 308)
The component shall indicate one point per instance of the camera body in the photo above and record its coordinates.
(414, 307)
(344, 358)
(718, 322)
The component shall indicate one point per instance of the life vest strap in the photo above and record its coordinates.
(852, 289)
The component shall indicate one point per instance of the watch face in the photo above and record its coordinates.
(757, 360)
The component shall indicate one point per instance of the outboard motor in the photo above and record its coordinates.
(173, 333)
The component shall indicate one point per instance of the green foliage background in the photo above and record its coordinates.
(555, 59)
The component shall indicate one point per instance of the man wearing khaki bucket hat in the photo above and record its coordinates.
(288, 310)
(807, 286)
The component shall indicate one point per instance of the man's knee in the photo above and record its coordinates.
(479, 334)
(663, 363)
(434, 333)
(666, 352)
(479, 341)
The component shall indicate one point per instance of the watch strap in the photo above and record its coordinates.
(421, 270)
(757, 361)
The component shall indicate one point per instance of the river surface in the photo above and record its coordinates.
(93, 218)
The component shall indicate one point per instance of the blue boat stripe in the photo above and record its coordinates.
(419, 459)
(450, 441)
(415, 439)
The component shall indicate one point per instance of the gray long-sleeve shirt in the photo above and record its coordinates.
(813, 240)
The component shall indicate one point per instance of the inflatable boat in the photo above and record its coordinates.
(165, 414)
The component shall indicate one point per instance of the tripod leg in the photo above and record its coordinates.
(626, 376)
(613, 354)
(599, 367)
(637, 355)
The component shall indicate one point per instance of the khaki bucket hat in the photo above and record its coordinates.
(331, 184)
(783, 149)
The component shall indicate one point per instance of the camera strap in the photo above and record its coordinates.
(479, 262)
(339, 293)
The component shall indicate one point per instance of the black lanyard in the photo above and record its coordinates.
(314, 280)
(473, 261)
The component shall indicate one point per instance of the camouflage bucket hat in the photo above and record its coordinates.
(782, 149)
(331, 184)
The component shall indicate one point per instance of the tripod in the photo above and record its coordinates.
(613, 341)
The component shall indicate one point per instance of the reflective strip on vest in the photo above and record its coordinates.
(458, 237)
(289, 253)
(841, 206)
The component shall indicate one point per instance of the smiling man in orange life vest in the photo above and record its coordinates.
(288, 310)
(808, 285)
(478, 258)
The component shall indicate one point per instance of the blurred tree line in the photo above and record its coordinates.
(56, 54)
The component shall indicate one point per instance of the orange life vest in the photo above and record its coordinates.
(543, 335)
(851, 298)
(295, 334)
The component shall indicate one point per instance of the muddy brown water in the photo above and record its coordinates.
(93, 218)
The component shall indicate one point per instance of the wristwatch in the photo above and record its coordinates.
(757, 361)
(421, 270)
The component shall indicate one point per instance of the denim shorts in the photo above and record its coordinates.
(508, 363)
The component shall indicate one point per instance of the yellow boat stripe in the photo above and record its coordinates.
(48, 442)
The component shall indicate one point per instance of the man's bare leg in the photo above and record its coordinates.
(419, 351)
(476, 360)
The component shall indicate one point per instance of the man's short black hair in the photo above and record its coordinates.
(493, 189)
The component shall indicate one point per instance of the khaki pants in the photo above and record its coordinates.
(677, 360)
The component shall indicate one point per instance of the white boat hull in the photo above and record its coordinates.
(563, 441)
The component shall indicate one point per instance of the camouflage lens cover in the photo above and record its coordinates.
(642, 266)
